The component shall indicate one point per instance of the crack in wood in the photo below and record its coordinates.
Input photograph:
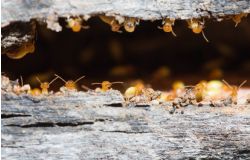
(51, 124)
(3, 116)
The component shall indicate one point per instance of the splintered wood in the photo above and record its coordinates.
(101, 125)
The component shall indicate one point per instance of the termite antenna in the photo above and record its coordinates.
(79, 79)
(85, 87)
(159, 27)
(189, 86)
(242, 84)
(117, 82)
(173, 33)
(95, 83)
(203, 34)
(85, 26)
(60, 78)
(38, 80)
(53, 80)
(236, 24)
(21, 79)
(228, 85)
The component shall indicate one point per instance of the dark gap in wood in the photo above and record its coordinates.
(244, 151)
(114, 105)
(3, 116)
(75, 124)
(50, 124)
(127, 132)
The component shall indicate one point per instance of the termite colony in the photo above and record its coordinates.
(214, 93)
(78, 23)
(129, 24)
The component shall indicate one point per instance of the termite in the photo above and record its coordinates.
(197, 27)
(115, 26)
(45, 85)
(168, 24)
(234, 90)
(134, 91)
(75, 24)
(237, 18)
(178, 88)
(70, 84)
(106, 85)
(199, 90)
(130, 23)
(35, 92)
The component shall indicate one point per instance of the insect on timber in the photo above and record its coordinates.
(106, 85)
(75, 24)
(197, 27)
(234, 90)
(70, 84)
(115, 26)
(130, 23)
(237, 18)
(45, 85)
(134, 91)
(199, 90)
(168, 24)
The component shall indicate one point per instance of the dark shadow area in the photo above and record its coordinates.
(149, 54)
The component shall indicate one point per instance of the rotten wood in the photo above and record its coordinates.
(99, 125)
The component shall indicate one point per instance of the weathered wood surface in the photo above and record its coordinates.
(94, 126)
(24, 10)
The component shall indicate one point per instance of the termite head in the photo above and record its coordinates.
(237, 18)
(167, 25)
(106, 85)
(197, 27)
(115, 27)
(45, 85)
(234, 90)
(130, 24)
(75, 24)
(70, 84)
(35, 92)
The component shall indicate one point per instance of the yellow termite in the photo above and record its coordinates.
(168, 24)
(197, 27)
(70, 84)
(130, 23)
(237, 18)
(115, 26)
(45, 85)
(106, 85)
(234, 90)
(75, 24)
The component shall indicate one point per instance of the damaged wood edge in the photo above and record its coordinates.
(16, 10)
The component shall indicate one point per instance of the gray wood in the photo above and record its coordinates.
(90, 125)
(24, 10)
